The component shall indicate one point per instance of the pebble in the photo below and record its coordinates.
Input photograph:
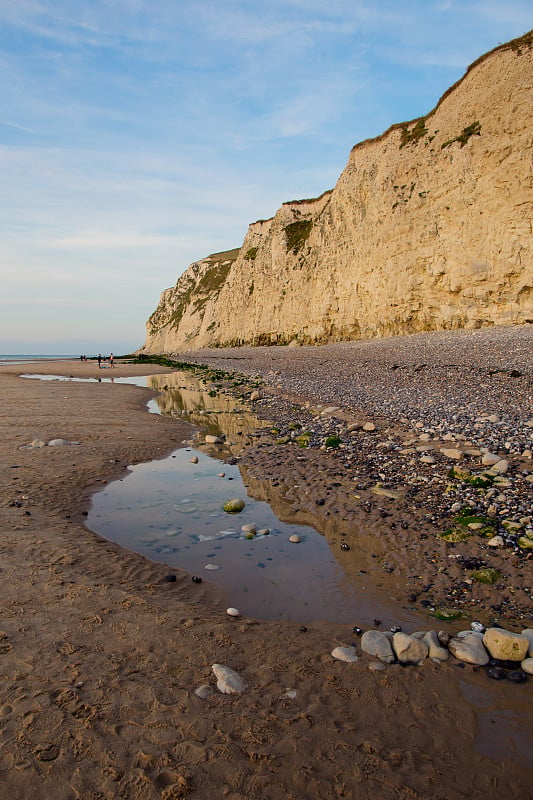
(233, 612)
(295, 539)
(212, 567)
(527, 665)
(204, 691)
(234, 505)
(194, 460)
(344, 654)
(228, 681)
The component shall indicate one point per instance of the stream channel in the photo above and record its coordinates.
(171, 510)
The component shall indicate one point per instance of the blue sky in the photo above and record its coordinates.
(137, 136)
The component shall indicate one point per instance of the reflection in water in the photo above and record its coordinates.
(206, 407)
(171, 511)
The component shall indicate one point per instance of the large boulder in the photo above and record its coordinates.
(505, 645)
(407, 649)
(377, 644)
(468, 647)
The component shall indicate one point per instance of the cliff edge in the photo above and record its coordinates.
(429, 227)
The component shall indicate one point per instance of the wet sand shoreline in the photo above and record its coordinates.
(100, 656)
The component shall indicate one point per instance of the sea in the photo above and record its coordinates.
(32, 358)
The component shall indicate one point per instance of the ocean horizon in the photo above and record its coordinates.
(24, 358)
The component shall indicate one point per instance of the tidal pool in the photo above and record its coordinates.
(171, 510)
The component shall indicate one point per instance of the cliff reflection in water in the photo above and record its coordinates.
(206, 406)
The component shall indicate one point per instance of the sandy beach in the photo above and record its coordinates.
(100, 656)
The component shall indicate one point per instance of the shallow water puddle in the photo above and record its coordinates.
(171, 511)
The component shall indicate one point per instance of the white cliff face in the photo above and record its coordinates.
(429, 227)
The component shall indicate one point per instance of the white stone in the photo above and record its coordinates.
(375, 643)
(408, 650)
(528, 633)
(295, 539)
(369, 426)
(452, 453)
(212, 567)
(436, 651)
(427, 460)
(489, 459)
(468, 647)
(496, 541)
(344, 654)
(57, 442)
(210, 439)
(228, 681)
(501, 467)
(233, 612)
(527, 665)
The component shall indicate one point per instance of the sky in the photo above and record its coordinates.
(138, 136)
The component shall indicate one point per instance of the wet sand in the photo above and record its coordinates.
(100, 656)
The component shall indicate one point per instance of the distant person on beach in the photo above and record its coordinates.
(111, 360)
(99, 360)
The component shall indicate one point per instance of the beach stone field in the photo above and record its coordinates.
(413, 455)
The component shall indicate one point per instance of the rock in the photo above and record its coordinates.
(469, 648)
(376, 666)
(344, 654)
(375, 643)
(221, 475)
(233, 612)
(38, 443)
(496, 541)
(369, 426)
(501, 467)
(194, 460)
(255, 395)
(527, 665)
(295, 539)
(228, 681)
(528, 633)
(489, 459)
(407, 649)
(505, 645)
(263, 531)
(234, 505)
(212, 567)
(427, 460)
(57, 442)
(435, 648)
(452, 452)
(203, 691)
(249, 528)
(477, 627)
(517, 676)
(210, 439)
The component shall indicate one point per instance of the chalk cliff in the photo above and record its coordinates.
(428, 227)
